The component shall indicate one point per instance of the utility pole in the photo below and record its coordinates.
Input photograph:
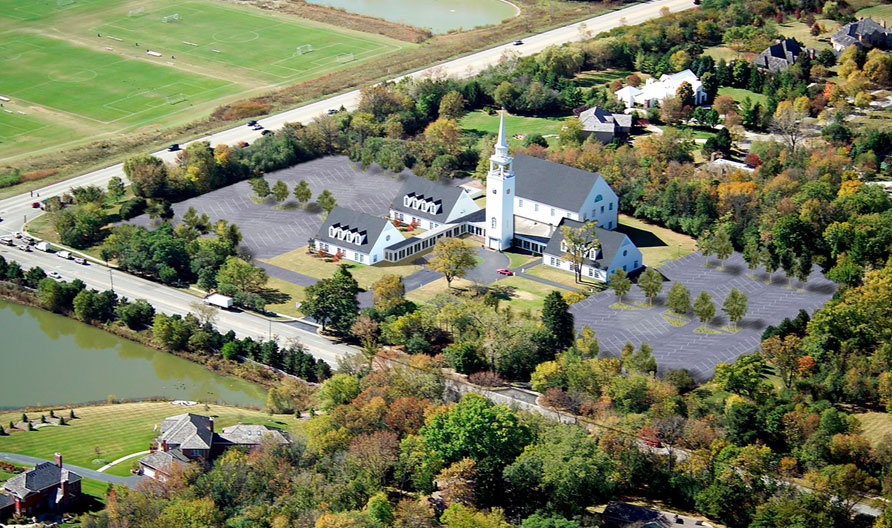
(111, 279)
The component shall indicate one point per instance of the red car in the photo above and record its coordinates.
(504, 271)
(35, 205)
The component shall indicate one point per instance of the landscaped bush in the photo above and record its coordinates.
(10, 178)
(38, 174)
(133, 208)
(486, 379)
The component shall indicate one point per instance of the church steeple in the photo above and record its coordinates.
(500, 161)
(502, 142)
(500, 194)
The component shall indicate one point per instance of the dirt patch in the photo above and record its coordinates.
(342, 18)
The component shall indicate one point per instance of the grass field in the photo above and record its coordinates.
(82, 69)
(739, 94)
(875, 426)
(298, 260)
(657, 244)
(479, 122)
(877, 12)
(553, 274)
(117, 430)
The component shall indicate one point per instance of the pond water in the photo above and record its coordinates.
(48, 359)
(440, 16)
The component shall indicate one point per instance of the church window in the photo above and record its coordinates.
(493, 222)
(536, 207)
(494, 191)
(507, 191)
(519, 203)
(599, 198)
(552, 211)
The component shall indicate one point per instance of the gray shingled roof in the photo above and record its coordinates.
(6, 501)
(610, 243)
(42, 476)
(849, 33)
(244, 434)
(624, 513)
(599, 120)
(188, 431)
(372, 226)
(444, 195)
(552, 183)
(164, 459)
(779, 56)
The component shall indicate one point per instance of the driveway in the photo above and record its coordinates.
(130, 482)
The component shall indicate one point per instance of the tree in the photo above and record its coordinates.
(461, 516)
(538, 520)
(136, 314)
(326, 201)
(679, 299)
(388, 292)
(280, 191)
(260, 187)
(241, 276)
(651, 283)
(721, 244)
(746, 376)
(735, 306)
(579, 244)
(453, 258)
(333, 301)
(784, 353)
(116, 188)
(558, 320)
(706, 117)
(641, 360)
(337, 390)
(705, 246)
(620, 284)
(366, 329)
(147, 174)
(452, 105)
(302, 192)
(787, 123)
(456, 482)
(704, 308)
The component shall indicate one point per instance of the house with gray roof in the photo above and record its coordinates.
(356, 236)
(614, 251)
(192, 434)
(780, 56)
(249, 435)
(430, 204)
(625, 515)
(604, 125)
(161, 465)
(866, 33)
(7, 506)
(48, 487)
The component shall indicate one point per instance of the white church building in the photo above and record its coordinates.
(527, 201)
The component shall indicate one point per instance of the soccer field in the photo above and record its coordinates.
(94, 67)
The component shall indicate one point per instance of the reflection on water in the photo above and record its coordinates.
(48, 359)
(437, 15)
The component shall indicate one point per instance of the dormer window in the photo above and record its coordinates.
(407, 201)
(563, 246)
(331, 232)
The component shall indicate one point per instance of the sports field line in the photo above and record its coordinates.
(23, 130)
(162, 94)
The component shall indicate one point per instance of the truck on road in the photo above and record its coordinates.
(43, 246)
(217, 299)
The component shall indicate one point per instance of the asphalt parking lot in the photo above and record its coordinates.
(679, 346)
(268, 231)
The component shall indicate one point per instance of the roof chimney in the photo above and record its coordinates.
(58, 457)
(212, 423)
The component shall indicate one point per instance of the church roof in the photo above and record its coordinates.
(552, 183)
(610, 241)
(443, 196)
(370, 226)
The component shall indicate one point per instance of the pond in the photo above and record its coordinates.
(49, 359)
(437, 15)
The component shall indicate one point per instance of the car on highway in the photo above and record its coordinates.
(24, 248)
(17, 234)
(518, 43)
(82, 262)
(504, 271)
(332, 111)
(257, 126)
(64, 255)
(54, 275)
(173, 147)
(6, 241)
(251, 123)
(35, 205)
(266, 132)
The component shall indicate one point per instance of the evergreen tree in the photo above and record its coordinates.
(558, 320)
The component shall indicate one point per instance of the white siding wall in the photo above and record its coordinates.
(543, 213)
(631, 260)
(408, 218)
(588, 272)
(604, 210)
(465, 205)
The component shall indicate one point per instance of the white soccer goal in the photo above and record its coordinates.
(303, 48)
(133, 13)
(345, 57)
(171, 18)
(176, 98)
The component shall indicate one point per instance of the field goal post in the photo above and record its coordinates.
(171, 18)
(64, 3)
(345, 57)
(303, 48)
(133, 13)
(176, 98)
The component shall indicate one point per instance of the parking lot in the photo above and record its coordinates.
(268, 231)
(680, 346)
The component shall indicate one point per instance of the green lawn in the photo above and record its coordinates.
(294, 290)
(298, 260)
(722, 52)
(877, 12)
(525, 294)
(657, 244)
(601, 77)
(81, 68)
(519, 259)
(560, 276)
(479, 122)
(802, 33)
(875, 426)
(117, 430)
(739, 94)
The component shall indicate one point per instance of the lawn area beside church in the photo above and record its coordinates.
(298, 260)
(658, 245)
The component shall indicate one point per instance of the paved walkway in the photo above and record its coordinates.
(551, 283)
(286, 274)
(84, 472)
(110, 464)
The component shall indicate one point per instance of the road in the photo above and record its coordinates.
(15, 211)
(84, 472)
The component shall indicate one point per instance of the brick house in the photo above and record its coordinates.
(48, 487)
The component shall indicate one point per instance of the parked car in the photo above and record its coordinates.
(82, 262)
(504, 271)
(6, 241)
(54, 275)
(173, 147)
(332, 111)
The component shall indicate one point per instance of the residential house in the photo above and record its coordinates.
(7, 506)
(866, 33)
(430, 204)
(161, 465)
(604, 125)
(780, 56)
(192, 434)
(356, 236)
(615, 251)
(625, 515)
(654, 90)
(48, 487)
(248, 435)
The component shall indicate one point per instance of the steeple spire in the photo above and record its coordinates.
(502, 142)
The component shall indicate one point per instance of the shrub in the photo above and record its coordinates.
(245, 109)
(10, 178)
(558, 399)
(133, 208)
(753, 160)
(38, 174)
(486, 379)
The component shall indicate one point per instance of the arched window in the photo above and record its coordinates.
(493, 222)
(599, 198)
